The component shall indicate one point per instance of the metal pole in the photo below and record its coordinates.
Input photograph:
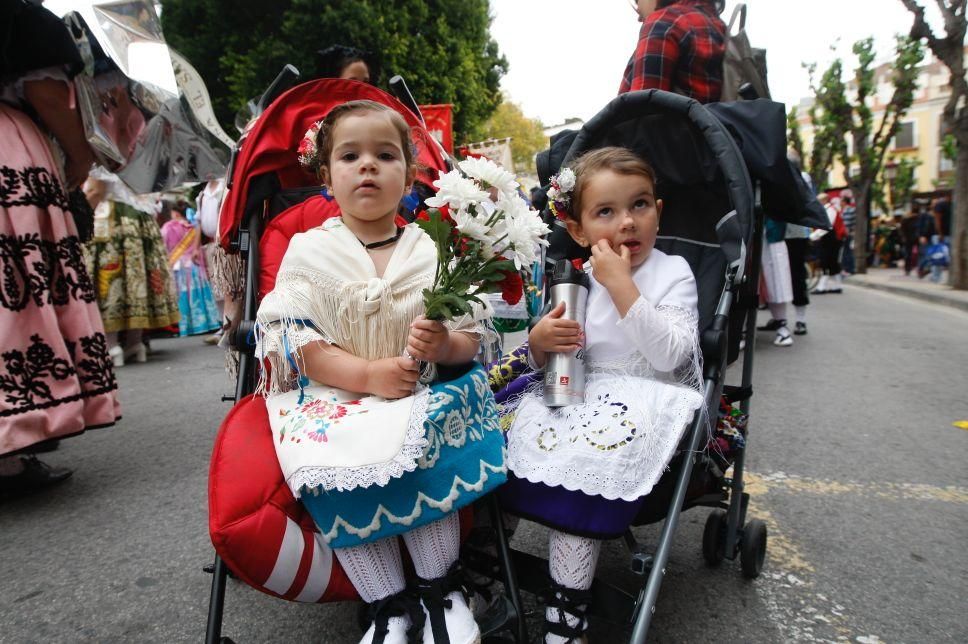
(646, 606)
(510, 576)
(213, 632)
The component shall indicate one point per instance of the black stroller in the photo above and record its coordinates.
(704, 156)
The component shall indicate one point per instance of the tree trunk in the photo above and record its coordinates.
(862, 198)
(958, 277)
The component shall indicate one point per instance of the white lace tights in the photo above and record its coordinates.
(376, 569)
(572, 560)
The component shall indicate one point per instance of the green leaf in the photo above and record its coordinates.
(438, 229)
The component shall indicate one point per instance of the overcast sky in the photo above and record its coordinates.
(566, 57)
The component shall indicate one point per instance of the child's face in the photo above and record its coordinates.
(621, 209)
(367, 171)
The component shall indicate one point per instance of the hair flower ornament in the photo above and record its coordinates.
(308, 154)
(559, 194)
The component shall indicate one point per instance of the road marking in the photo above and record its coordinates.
(884, 490)
(961, 424)
(787, 589)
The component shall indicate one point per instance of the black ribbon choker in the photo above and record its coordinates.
(385, 242)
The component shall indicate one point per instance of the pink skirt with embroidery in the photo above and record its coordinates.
(56, 377)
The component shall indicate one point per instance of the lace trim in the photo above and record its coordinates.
(271, 341)
(547, 450)
(349, 478)
(446, 504)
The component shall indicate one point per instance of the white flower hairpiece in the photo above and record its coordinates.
(559, 194)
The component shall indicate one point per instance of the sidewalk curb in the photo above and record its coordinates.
(927, 296)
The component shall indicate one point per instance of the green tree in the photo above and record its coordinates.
(793, 132)
(855, 117)
(901, 187)
(443, 49)
(828, 114)
(949, 49)
(527, 135)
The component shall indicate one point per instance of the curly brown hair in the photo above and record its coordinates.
(324, 138)
(617, 159)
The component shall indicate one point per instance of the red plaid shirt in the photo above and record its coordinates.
(680, 50)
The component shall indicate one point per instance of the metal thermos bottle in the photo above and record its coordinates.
(564, 382)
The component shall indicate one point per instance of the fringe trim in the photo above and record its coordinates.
(227, 273)
(446, 504)
(344, 479)
(338, 313)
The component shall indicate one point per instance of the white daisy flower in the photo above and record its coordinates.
(456, 191)
(490, 173)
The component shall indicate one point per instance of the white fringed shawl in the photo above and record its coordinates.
(327, 289)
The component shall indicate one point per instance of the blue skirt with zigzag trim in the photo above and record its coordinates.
(463, 461)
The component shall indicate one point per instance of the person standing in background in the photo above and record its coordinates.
(681, 48)
(128, 263)
(849, 214)
(195, 301)
(207, 204)
(797, 242)
(350, 63)
(56, 377)
(830, 248)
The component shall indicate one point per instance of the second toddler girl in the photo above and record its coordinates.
(583, 470)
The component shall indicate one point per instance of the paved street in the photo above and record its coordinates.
(854, 464)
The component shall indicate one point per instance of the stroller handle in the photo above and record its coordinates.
(398, 87)
(286, 79)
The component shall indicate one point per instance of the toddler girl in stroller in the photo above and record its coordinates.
(344, 317)
(584, 469)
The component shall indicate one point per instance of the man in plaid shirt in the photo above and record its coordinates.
(681, 47)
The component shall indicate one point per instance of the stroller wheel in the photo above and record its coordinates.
(714, 538)
(752, 551)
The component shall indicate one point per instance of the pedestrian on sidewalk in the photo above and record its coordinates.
(797, 241)
(909, 241)
(926, 231)
(56, 379)
(848, 211)
(775, 262)
(831, 246)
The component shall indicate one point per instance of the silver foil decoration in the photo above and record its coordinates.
(142, 123)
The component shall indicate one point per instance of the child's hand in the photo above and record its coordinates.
(392, 377)
(552, 334)
(611, 268)
(429, 340)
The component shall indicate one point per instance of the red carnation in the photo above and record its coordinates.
(512, 287)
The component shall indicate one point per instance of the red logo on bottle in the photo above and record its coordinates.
(563, 380)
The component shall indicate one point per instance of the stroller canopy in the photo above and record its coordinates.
(701, 174)
(270, 147)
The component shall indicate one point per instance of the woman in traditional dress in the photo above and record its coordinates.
(56, 377)
(195, 300)
(128, 262)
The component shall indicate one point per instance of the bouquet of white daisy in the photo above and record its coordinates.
(485, 233)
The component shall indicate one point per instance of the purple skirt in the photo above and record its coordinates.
(573, 512)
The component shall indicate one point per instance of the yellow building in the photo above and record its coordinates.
(919, 135)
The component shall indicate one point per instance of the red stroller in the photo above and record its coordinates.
(261, 534)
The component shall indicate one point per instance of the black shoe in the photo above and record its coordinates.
(800, 328)
(772, 325)
(45, 447)
(35, 476)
